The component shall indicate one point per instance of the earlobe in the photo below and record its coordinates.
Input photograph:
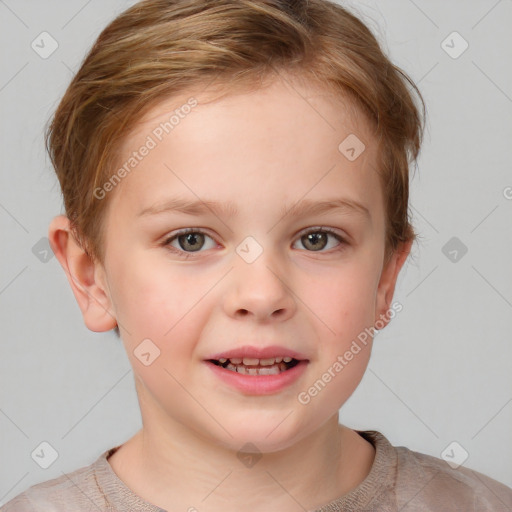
(83, 275)
(387, 283)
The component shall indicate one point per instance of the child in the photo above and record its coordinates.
(235, 178)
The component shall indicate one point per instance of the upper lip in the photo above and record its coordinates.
(251, 351)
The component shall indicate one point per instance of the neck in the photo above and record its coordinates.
(178, 469)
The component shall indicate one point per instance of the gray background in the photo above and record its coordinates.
(440, 372)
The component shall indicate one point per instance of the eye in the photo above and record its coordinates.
(316, 239)
(189, 240)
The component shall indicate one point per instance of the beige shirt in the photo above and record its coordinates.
(399, 480)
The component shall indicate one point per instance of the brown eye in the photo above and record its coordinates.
(191, 241)
(316, 240)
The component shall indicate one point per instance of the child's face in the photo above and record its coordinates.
(260, 153)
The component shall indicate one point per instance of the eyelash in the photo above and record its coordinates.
(185, 254)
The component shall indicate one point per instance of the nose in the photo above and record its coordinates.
(260, 290)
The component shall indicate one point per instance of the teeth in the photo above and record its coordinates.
(252, 361)
(269, 370)
(273, 370)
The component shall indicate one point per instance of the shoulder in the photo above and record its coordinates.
(424, 482)
(77, 491)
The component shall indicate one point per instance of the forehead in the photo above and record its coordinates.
(278, 103)
(292, 134)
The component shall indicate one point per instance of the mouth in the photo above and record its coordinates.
(253, 366)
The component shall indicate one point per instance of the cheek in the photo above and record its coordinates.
(152, 297)
(167, 305)
(161, 304)
(343, 305)
(343, 299)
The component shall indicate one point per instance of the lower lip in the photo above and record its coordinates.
(259, 384)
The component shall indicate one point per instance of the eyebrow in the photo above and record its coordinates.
(302, 208)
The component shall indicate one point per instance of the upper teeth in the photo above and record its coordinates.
(255, 362)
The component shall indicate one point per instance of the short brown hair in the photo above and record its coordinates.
(159, 48)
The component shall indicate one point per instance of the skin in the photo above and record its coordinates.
(260, 150)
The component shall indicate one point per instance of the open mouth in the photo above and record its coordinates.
(272, 366)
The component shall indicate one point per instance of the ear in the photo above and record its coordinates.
(86, 277)
(389, 276)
